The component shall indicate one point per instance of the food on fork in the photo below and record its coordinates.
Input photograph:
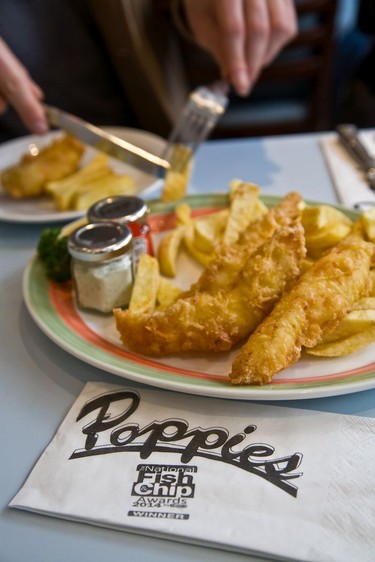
(178, 176)
(54, 162)
(313, 307)
(216, 320)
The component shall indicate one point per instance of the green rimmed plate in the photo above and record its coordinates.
(93, 338)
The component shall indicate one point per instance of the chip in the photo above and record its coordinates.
(146, 285)
(209, 230)
(189, 243)
(244, 197)
(168, 251)
(368, 221)
(90, 183)
(366, 303)
(314, 219)
(354, 322)
(326, 238)
(108, 185)
(167, 293)
(345, 346)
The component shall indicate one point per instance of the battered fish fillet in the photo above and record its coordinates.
(216, 321)
(223, 270)
(311, 308)
(56, 161)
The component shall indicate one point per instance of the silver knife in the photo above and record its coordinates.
(348, 135)
(108, 143)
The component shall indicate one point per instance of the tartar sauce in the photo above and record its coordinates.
(102, 265)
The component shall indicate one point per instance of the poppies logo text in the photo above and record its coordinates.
(108, 433)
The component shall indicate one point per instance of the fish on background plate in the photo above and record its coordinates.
(43, 209)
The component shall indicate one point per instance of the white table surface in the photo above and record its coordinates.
(40, 381)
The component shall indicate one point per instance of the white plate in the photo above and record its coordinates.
(93, 338)
(39, 210)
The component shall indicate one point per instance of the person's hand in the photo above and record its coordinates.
(242, 35)
(18, 90)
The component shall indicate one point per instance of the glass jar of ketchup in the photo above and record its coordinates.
(131, 211)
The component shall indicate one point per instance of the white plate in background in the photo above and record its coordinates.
(42, 209)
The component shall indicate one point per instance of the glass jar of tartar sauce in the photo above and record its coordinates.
(102, 265)
(129, 210)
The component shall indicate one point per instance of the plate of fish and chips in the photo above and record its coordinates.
(178, 332)
(69, 165)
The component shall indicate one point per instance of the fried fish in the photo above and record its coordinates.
(310, 309)
(54, 162)
(222, 272)
(216, 320)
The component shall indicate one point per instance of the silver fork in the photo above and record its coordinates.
(204, 107)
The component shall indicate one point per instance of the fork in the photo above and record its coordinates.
(204, 107)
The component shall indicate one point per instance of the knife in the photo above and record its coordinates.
(348, 135)
(108, 143)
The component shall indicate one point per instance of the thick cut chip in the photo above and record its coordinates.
(325, 227)
(89, 184)
(326, 238)
(146, 285)
(183, 214)
(209, 230)
(354, 322)
(244, 197)
(108, 185)
(368, 221)
(63, 190)
(366, 303)
(168, 251)
(320, 216)
(167, 293)
(346, 346)
(189, 243)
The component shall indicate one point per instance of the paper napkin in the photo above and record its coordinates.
(240, 476)
(349, 181)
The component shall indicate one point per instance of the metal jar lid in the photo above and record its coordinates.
(100, 241)
(121, 208)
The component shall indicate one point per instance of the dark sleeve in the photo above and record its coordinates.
(366, 16)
